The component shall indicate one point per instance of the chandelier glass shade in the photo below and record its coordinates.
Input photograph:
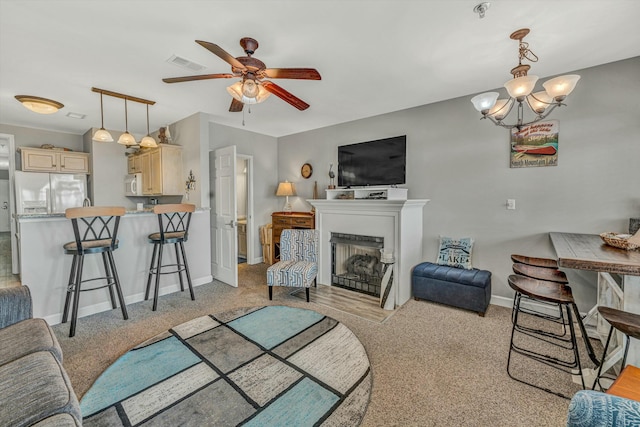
(520, 90)
(248, 92)
(102, 135)
(126, 138)
(148, 141)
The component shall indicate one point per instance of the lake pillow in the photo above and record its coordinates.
(455, 252)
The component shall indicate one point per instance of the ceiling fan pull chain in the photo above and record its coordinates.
(243, 117)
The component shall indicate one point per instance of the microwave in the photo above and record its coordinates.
(133, 185)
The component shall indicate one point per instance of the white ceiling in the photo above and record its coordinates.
(374, 56)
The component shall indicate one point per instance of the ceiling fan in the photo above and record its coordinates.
(253, 88)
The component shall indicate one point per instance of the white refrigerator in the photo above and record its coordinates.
(48, 193)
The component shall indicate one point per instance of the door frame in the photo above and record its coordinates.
(15, 261)
(250, 219)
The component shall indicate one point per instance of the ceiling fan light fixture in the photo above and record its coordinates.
(237, 91)
(39, 105)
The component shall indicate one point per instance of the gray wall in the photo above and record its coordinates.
(461, 163)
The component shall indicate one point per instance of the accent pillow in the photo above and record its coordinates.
(455, 252)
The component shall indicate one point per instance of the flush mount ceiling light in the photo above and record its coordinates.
(39, 105)
(520, 90)
(126, 138)
(148, 141)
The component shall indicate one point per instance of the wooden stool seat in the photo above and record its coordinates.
(541, 289)
(625, 322)
(538, 262)
(541, 273)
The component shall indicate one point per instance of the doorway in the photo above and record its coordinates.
(9, 265)
(242, 203)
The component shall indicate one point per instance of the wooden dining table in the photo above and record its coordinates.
(618, 284)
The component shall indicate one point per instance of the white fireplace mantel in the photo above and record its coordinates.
(399, 222)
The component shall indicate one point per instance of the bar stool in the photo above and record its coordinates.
(95, 231)
(536, 262)
(623, 321)
(173, 221)
(554, 293)
(541, 273)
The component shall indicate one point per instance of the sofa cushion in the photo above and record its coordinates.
(455, 252)
(58, 420)
(594, 408)
(15, 305)
(473, 277)
(34, 388)
(26, 337)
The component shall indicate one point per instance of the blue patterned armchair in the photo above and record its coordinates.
(590, 408)
(298, 265)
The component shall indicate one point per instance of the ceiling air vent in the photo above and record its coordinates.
(185, 63)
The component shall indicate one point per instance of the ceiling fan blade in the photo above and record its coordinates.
(199, 77)
(236, 106)
(222, 54)
(292, 73)
(285, 95)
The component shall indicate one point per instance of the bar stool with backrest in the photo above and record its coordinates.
(555, 293)
(173, 221)
(623, 321)
(95, 230)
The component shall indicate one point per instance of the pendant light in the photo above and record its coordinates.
(148, 141)
(126, 138)
(102, 135)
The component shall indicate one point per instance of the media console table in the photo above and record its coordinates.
(589, 252)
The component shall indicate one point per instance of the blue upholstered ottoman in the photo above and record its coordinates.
(457, 287)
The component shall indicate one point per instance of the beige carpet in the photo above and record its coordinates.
(432, 365)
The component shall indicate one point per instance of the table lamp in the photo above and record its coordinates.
(286, 189)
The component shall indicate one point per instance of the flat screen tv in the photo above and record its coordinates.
(380, 162)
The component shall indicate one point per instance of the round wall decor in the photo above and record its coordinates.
(306, 170)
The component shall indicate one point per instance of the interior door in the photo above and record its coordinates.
(225, 267)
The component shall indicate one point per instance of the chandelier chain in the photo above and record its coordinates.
(526, 53)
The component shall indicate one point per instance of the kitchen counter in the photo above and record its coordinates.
(45, 268)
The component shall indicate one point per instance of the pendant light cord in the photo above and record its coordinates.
(147, 119)
(101, 112)
(126, 118)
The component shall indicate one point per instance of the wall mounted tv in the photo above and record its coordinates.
(380, 162)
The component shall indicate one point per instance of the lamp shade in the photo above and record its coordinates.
(148, 142)
(39, 105)
(127, 139)
(484, 101)
(102, 135)
(286, 189)
(539, 101)
(500, 109)
(248, 92)
(521, 86)
(559, 87)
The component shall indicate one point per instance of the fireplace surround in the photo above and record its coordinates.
(397, 222)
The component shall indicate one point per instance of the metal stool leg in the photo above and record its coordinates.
(151, 268)
(70, 287)
(116, 283)
(110, 280)
(186, 270)
(76, 296)
(158, 272)
(179, 267)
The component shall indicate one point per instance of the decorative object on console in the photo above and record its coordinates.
(455, 252)
(520, 90)
(190, 184)
(622, 241)
(306, 170)
(252, 89)
(126, 138)
(634, 225)
(332, 175)
(286, 189)
(39, 105)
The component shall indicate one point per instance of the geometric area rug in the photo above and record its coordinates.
(259, 366)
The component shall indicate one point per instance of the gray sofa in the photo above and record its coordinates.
(34, 387)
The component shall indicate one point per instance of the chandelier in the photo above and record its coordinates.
(520, 90)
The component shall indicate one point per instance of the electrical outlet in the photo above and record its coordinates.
(511, 204)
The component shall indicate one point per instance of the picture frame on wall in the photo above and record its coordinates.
(535, 145)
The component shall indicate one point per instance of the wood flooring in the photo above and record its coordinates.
(356, 303)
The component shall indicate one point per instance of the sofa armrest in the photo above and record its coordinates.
(15, 305)
(594, 408)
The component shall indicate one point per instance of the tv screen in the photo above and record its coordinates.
(380, 162)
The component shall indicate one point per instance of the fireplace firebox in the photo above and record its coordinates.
(355, 262)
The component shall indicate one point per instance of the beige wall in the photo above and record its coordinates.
(461, 163)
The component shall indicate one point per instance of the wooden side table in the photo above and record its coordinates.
(627, 384)
(293, 220)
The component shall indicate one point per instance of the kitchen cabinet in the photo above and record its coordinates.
(161, 170)
(281, 221)
(134, 164)
(44, 160)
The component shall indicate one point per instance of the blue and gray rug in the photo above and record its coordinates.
(265, 366)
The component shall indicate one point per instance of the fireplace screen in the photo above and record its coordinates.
(355, 262)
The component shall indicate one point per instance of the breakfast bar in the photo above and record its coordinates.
(45, 268)
(618, 282)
